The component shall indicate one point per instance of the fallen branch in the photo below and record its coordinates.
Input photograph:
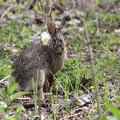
(50, 10)
(4, 79)
(32, 4)
(5, 12)
(21, 98)
(92, 64)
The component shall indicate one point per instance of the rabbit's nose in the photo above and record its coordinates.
(59, 50)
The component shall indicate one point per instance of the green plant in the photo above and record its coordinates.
(7, 96)
(113, 109)
(35, 92)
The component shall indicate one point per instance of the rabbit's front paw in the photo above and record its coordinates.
(41, 100)
(41, 97)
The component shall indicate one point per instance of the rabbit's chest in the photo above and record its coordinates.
(55, 64)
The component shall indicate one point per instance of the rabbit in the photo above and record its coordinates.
(44, 60)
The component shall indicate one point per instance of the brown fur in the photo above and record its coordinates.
(46, 60)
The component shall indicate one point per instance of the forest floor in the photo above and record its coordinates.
(73, 96)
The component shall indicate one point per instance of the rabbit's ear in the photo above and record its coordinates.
(61, 25)
(63, 22)
(51, 28)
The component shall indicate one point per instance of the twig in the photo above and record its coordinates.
(41, 6)
(9, 8)
(32, 4)
(110, 51)
(46, 16)
(93, 72)
(24, 5)
(92, 66)
(5, 78)
(4, 5)
(74, 115)
(8, 49)
(57, 6)
(21, 98)
(50, 10)
(18, 16)
(70, 117)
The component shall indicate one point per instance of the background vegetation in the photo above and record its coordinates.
(73, 96)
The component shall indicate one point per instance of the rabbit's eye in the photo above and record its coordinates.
(54, 39)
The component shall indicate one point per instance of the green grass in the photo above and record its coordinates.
(70, 78)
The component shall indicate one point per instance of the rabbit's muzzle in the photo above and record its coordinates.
(59, 48)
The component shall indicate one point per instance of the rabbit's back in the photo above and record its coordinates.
(39, 56)
(29, 58)
(27, 63)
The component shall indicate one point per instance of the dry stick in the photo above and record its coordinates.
(32, 4)
(26, 2)
(93, 72)
(50, 10)
(5, 78)
(47, 3)
(109, 51)
(18, 16)
(74, 115)
(6, 11)
(41, 6)
(43, 10)
(92, 64)
(21, 98)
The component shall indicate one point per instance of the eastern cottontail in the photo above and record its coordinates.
(46, 59)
